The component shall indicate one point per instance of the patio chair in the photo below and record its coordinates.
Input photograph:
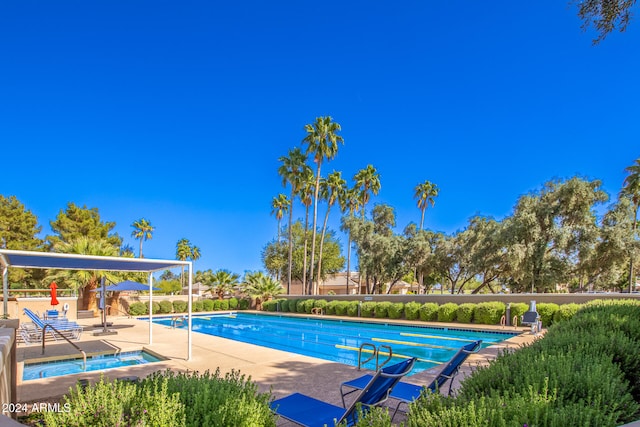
(307, 411)
(67, 328)
(532, 318)
(30, 333)
(406, 393)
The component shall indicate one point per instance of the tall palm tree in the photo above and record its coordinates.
(351, 204)
(322, 142)
(631, 189)
(426, 194)
(142, 230)
(295, 171)
(306, 197)
(183, 253)
(368, 182)
(332, 190)
(280, 205)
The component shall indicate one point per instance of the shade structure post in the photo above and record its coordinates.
(5, 291)
(190, 305)
(150, 308)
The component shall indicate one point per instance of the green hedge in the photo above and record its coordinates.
(465, 312)
(412, 310)
(198, 306)
(565, 312)
(489, 313)
(244, 304)
(447, 312)
(382, 309)
(331, 307)
(352, 308)
(341, 308)
(395, 310)
(233, 303)
(429, 312)
(271, 305)
(546, 312)
(367, 309)
(207, 304)
(180, 306)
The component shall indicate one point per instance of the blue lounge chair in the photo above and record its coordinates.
(307, 411)
(407, 392)
(67, 328)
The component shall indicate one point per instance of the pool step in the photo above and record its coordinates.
(86, 314)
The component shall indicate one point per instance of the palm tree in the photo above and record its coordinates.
(306, 197)
(426, 194)
(142, 230)
(295, 171)
(631, 189)
(332, 190)
(223, 281)
(280, 205)
(350, 203)
(322, 141)
(368, 182)
(261, 287)
(183, 253)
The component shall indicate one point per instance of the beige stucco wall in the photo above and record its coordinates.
(41, 305)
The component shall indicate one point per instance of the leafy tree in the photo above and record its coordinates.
(631, 190)
(322, 143)
(169, 287)
(18, 230)
(419, 253)
(332, 190)
(77, 222)
(168, 275)
(452, 260)
(294, 171)
(426, 193)
(367, 182)
(184, 251)
(223, 281)
(486, 248)
(261, 287)
(142, 230)
(605, 15)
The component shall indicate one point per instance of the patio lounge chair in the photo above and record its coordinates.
(67, 328)
(407, 392)
(30, 333)
(307, 411)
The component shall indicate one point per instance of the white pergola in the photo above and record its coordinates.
(58, 261)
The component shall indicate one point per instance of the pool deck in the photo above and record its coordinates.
(281, 372)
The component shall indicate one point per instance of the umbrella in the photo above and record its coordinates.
(127, 285)
(54, 299)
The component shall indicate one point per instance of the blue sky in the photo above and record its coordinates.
(178, 111)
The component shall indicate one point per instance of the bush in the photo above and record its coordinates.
(447, 312)
(138, 309)
(156, 307)
(308, 305)
(546, 312)
(352, 308)
(517, 310)
(180, 306)
(341, 308)
(216, 305)
(412, 310)
(165, 307)
(367, 309)
(395, 310)
(565, 312)
(198, 306)
(224, 304)
(489, 313)
(382, 309)
(207, 305)
(284, 305)
(429, 312)
(321, 303)
(271, 305)
(244, 304)
(331, 307)
(300, 306)
(233, 303)
(465, 312)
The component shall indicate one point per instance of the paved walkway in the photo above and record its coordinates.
(281, 372)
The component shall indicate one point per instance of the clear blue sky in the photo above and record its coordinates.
(178, 111)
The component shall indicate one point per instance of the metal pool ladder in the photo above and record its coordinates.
(375, 353)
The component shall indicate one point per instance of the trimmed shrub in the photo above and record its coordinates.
(367, 309)
(412, 310)
(138, 309)
(331, 307)
(465, 312)
(244, 304)
(165, 306)
(207, 305)
(547, 310)
(395, 310)
(300, 306)
(447, 312)
(271, 305)
(224, 304)
(284, 305)
(198, 306)
(233, 303)
(517, 310)
(321, 303)
(308, 305)
(382, 309)
(155, 306)
(180, 306)
(489, 313)
(341, 308)
(429, 312)
(565, 312)
(216, 305)
(352, 308)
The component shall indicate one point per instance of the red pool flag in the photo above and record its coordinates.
(54, 299)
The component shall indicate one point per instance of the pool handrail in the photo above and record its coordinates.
(84, 354)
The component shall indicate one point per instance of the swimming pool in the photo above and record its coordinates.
(340, 340)
(56, 368)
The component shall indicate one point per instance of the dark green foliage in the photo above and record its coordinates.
(352, 308)
(489, 313)
(465, 312)
(331, 307)
(395, 310)
(233, 303)
(341, 308)
(156, 307)
(308, 305)
(207, 304)
(244, 304)
(300, 306)
(382, 309)
(138, 309)
(367, 309)
(517, 310)
(546, 312)
(216, 305)
(447, 312)
(224, 304)
(165, 307)
(180, 306)
(412, 310)
(429, 312)
(284, 305)
(320, 303)
(565, 312)
(271, 305)
(198, 306)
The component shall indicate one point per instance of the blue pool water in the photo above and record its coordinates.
(339, 340)
(58, 368)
